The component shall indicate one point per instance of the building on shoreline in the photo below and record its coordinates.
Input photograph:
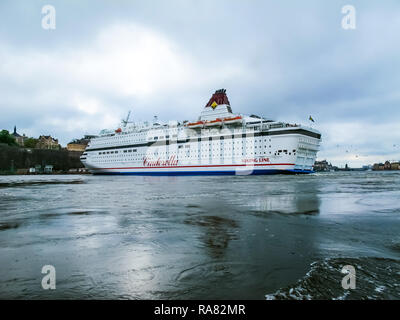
(72, 146)
(79, 144)
(18, 138)
(48, 142)
(323, 166)
(388, 165)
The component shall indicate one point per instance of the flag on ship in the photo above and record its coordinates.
(311, 119)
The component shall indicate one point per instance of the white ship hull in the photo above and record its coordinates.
(257, 146)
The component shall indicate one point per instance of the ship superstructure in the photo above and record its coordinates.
(218, 142)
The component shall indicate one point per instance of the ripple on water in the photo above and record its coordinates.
(376, 278)
(8, 225)
(213, 271)
(15, 184)
(58, 212)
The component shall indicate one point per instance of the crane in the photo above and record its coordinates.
(125, 122)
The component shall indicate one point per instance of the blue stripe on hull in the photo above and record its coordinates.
(205, 173)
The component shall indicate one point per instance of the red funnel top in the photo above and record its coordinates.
(219, 97)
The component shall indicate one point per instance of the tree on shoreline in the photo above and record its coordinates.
(7, 138)
(31, 143)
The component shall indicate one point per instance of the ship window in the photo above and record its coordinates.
(130, 150)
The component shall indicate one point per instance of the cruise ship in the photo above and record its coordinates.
(219, 142)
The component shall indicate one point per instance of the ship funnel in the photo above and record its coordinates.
(219, 97)
(218, 107)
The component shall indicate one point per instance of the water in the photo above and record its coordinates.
(239, 237)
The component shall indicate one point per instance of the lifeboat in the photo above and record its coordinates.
(234, 120)
(194, 125)
(213, 123)
(119, 130)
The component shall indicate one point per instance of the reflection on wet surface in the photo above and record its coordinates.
(197, 237)
(217, 233)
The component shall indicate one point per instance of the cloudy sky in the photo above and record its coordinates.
(285, 60)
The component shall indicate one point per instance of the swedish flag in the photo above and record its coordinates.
(311, 119)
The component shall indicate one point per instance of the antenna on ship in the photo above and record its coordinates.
(125, 122)
(155, 120)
